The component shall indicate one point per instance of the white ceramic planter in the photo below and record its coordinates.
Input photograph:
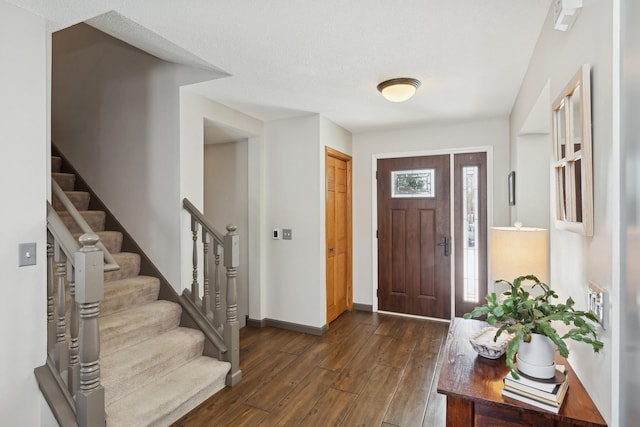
(535, 358)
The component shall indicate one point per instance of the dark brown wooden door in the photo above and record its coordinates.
(414, 228)
(338, 233)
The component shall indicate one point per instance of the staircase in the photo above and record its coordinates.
(153, 371)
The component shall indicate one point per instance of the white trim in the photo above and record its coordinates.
(374, 209)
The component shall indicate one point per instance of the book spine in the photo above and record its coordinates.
(532, 402)
(551, 402)
(532, 390)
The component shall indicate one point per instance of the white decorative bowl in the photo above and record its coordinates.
(485, 346)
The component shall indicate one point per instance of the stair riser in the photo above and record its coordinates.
(80, 200)
(130, 293)
(56, 163)
(146, 362)
(122, 330)
(129, 267)
(95, 219)
(66, 181)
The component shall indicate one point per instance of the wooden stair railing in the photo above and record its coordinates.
(70, 378)
(223, 325)
(110, 262)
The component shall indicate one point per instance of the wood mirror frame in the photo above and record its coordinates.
(572, 164)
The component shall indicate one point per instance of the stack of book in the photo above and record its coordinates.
(540, 393)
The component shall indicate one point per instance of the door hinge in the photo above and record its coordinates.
(376, 174)
(376, 234)
(377, 292)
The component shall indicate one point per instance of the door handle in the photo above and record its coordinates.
(445, 243)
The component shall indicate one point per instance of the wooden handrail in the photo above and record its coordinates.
(227, 331)
(195, 213)
(110, 262)
(73, 351)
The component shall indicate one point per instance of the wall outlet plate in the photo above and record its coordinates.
(596, 302)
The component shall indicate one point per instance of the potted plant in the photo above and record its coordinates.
(523, 315)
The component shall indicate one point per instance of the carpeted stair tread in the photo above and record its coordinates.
(129, 266)
(112, 240)
(95, 219)
(124, 371)
(80, 200)
(120, 330)
(66, 181)
(126, 293)
(162, 402)
(56, 163)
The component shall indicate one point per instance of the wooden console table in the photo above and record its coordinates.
(473, 386)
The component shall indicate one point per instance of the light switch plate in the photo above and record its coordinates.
(596, 303)
(287, 234)
(26, 254)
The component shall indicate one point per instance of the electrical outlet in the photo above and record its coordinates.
(596, 302)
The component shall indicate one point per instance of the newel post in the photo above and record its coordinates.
(232, 328)
(89, 263)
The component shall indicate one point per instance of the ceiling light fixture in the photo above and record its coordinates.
(400, 89)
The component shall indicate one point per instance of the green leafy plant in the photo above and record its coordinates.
(522, 314)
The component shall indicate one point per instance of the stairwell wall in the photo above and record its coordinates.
(116, 117)
(23, 146)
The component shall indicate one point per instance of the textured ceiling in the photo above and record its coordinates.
(281, 58)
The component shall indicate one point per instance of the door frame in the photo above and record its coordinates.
(374, 211)
(332, 152)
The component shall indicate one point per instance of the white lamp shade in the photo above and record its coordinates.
(400, 89)
(519, 252)
(398, 92)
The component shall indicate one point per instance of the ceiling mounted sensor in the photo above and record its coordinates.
(565, 12)
(400, 89)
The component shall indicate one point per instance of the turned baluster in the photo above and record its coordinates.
(232, 328)
(89, 291)
(73, 377)
(61, 350)
(216, 279)
(206, 298)
(51, 323)
(194, 285)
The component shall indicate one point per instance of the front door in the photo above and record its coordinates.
(338, 233)
(414, 227)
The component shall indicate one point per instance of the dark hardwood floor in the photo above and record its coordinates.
(369, 369)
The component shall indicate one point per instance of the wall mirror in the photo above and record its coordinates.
(573, 156)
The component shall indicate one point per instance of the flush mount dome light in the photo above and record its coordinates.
(400, 89)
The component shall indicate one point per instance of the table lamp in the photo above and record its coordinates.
(519, 251)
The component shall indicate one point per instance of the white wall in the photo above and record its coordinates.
(23, 146)
(630, 180)
(115, 116)
(295, 198)
(532, 181)
(194, 109)
(576, 259)
(226, 202)
(296, 287)
(420, 139)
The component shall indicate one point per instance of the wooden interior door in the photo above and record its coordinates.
(414, 229)
(338, 233)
